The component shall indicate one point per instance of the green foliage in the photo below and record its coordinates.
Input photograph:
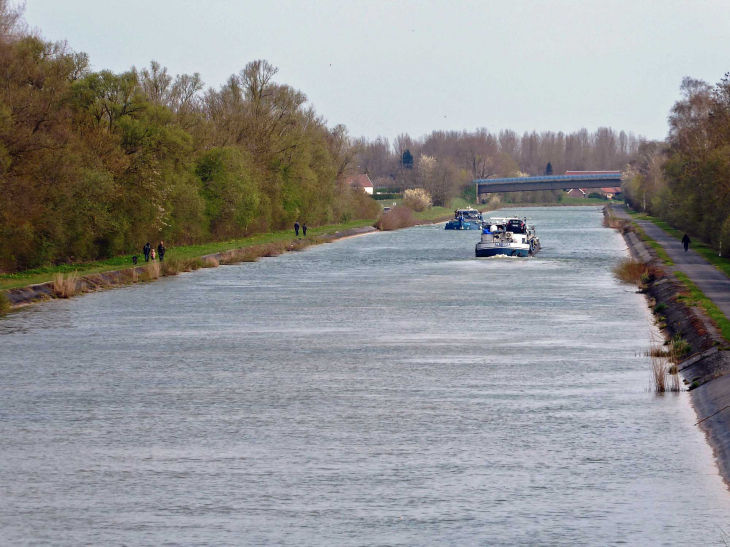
(407, 159)
(94, 164)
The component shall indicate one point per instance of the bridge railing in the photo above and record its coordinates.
(552, 178)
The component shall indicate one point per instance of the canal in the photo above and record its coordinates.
(387, 389)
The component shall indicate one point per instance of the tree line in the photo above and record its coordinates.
(686, 180)
(445, 161)
(94, 164)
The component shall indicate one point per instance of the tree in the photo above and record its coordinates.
(407, 159)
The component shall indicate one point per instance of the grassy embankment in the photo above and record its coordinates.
(691, 293)
(707, 252)
(48, 273)
(695, 297)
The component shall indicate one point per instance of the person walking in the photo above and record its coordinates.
(152, 255)
(161, 250)
(686, 241)
(304, 229)
(146, 250)
(296, 228)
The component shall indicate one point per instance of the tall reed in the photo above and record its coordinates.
(65, 286)
(151, 272)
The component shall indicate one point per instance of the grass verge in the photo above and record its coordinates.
(47, 273)
(695, 297)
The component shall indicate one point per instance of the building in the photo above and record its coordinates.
(360, 181)
(583, 192)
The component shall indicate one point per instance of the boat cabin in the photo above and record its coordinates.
(468, 214)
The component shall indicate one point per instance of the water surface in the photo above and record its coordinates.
(388, 389)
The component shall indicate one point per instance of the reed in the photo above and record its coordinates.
(65, 286)
(210, 262)
(171, 267)
(398, 217)
(623, 226)
(659, 374)
(151, 272)
(630, 270)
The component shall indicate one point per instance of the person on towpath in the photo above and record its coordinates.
(146, 250)
(304, 229)
(296, 228)
(686, 241)
(161, 250)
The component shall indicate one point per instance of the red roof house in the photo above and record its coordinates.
(360, 181)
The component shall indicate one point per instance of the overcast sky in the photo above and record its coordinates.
(384, 67)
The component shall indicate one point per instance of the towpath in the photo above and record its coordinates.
(710, 280)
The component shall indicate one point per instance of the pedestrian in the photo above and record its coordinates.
(686, 241)
(146, 250)
(152, 255)
(304, 229)
(296, 228)
(161, 250)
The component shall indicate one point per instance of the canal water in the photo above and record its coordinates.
(387, 389)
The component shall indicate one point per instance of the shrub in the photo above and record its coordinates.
(659, 307)
(65, 286)
(398, 217)
(417, 200)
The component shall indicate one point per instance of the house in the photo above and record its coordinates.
(610, 193)
(360, 181)
(583, 192)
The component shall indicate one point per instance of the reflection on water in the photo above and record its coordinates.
(387, 389)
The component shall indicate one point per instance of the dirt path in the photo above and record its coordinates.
(710, 280)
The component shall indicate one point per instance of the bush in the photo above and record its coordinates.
(384, 197)
(417, 200)
(398, 217)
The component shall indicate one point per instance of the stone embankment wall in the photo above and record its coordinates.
(707, 371)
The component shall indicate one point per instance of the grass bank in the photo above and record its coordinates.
(695, 297)
(49, 273)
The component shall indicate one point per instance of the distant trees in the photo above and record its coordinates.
(468, 155)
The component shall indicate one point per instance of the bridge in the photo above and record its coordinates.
(548, 182)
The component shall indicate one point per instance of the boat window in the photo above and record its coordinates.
(516, 226)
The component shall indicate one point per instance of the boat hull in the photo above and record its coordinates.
(501, 251)
(465, 226)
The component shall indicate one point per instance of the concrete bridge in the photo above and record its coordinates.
(548, 182)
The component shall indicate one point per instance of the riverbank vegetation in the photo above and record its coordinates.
(93, 163)
(685, 182)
